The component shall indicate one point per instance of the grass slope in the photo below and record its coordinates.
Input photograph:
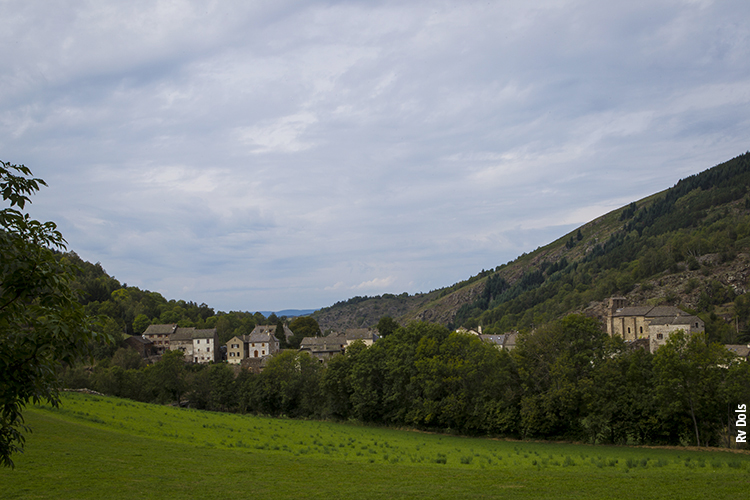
(101, 447)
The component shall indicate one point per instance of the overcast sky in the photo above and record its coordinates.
(270, 155)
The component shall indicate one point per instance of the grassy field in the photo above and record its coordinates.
(99, 447)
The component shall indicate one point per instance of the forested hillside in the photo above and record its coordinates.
(688, 246)
(129, 310)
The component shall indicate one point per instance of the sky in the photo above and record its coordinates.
(267, 155)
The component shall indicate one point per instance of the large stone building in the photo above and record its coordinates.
(206, 346)
(652, 323)
(260, 343)
(199, 346)
(324, 348)
(159, 336)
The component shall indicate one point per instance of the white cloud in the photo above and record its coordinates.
(255, 153)
(281, 136)
(375, 284)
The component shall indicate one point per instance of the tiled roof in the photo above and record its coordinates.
(259, 337)
(160, 329)
(651, 312)
(138, 339)
(504, 339)
(182, 334)
(633, 311)
(317, 344)
(495, 339)
(666, 311)
(360, 333)
(739, 349)
(673, 320)
(271, 329)
(204, 334)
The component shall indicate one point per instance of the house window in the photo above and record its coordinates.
(696, 325)
(198, 341)
(641, 329)
(628, 329)
(659, 336)
(208, 349)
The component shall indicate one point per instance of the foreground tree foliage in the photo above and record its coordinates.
(42, 325)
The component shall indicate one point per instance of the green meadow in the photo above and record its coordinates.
(103, 447)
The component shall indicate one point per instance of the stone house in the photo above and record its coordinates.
(324, 348)
(198, 346)
(159, 336)
(506, 341)
(654, 323)
(255, 345)
(182, 340)
(206, 346)
(143, 346)
(367, 335)
(262, 344)
(237, 349)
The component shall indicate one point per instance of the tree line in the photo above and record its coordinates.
(567, 380)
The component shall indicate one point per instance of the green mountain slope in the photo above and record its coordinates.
(686, 246)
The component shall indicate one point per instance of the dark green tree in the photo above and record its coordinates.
(690, 373)
(386, 326)
(42, 325)
(302, 326)
(169, 374)
(280, 335)
(289, 385)
(140, 323)
(553, 364)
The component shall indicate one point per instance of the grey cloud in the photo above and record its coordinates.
(294, 154)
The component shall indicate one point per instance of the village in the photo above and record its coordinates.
(642, 326)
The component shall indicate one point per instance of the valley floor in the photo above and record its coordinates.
(101, 447)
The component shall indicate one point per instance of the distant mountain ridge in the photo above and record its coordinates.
(687, 246)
